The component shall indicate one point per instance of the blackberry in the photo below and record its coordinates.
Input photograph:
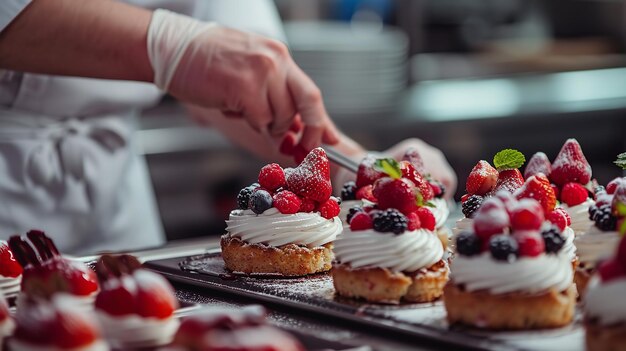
(472, 204)
(468, 244)
(243, 198)
(352, 211)
(260, 201)
(390, 220)
(348, 192)
(553, 240)
(503, 247)
(605, 221)
(592, 211)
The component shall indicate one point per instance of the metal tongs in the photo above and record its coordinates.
(340, 159)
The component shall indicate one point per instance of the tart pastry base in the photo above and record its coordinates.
(286, 260)
(443, 234)
(601, 338)
(514, 311)
(384, 286)
(581, 279)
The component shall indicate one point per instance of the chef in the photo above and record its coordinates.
(75, 74)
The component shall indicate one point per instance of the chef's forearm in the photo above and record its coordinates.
(97, 39)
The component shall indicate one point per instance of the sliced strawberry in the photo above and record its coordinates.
(409, 172)
(482, 179)
(574, 194)
(538, 187)
(413, 156)
(396, 193)
(509, 180)
(329, 209)
(365, 193)
(311, 179)
(367, 174)
(539, 163)
(427, 218)
(570, 165)
(9, 267)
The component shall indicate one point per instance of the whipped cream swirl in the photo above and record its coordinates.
(441, 211)
(596, 245)
(134, 331)
(569, 249)
(10, 286)
(463, 224)
(580, 216)
(604, 301)
(407, 252)
(276, 229)
(526, 274)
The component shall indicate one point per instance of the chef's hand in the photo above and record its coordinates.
(244, 75)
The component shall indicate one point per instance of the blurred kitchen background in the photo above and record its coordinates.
(468, 76)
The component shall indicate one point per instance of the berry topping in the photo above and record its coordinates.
(329, 209)
(491, 219)
(539, 163)
(468, 244)
(287, 202)
(395, 193)
(367, 174)
(365, 193)
(352, 211)
(260, 201)
(611, 269)
(509, 180)
(573, 194)
(348, 192)
(553, 240)
(612, 186)
(471, 205)
(413, 221)
(538, 187)
(272, 177)
(570, 165)
(9, 267)
(602, 215)
(527, 215)
(413, 156)
(307, 205)
(560, 218)
(427, 218)
(389, 220)
(503, 247)
(556, 190)
(243, 199)
(409, 172)
(439, 190)
(361, 221)
(530, 243)
(482, 179)
(311, 179)
(465, 197)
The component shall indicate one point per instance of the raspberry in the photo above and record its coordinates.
(413, 221)
(352, 211)
(272, 176)
(529, 244)
(611, 269)
(490, 219)
(605, 221)
(361, 221)
(527, 214)
(307, 205)
(503, 247)
(427, 218)
(573, 194)
(560, 218)
(287, 202)
(553, 240)
(260, 201)
(243, 198)
(389, 220)
(468, 244)
(329, 209)
(348, 192)
(366, 193)
(439, 190)
(471, 205)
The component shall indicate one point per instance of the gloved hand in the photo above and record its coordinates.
(244, 75)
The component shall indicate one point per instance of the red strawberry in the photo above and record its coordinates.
(155, 297)
(539, 163)
(9, 267)
(611, 269)
(560, 218)
(307, 205)
(509, 180)
(530, 243)
(527, 214)
(538, 187)
(366, 193)
(556, 191)
(329, 209)
(367, 174)
(413, 156)
(491, 218)
(482, 179)
(311, 179)
(427, 219)
(361, 221)
(272, 177)
(413, 221)
(409, 172)
(612, 186)
(117, 299)
(395, 193)
(570, 165)
(286, 202)
(573, 194)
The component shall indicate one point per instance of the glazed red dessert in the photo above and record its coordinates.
(46, 272)
(10, 271)
(244, 330)
(135, 306)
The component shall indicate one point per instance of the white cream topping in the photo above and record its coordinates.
(596, 245)
(526, 274)
(345, 208)
(407, 252)
(441, 211)
(10, 286)
(276, 229)
(580, 216)
(98, 345)
(463, 224)
(569, 248)
(136, 331)
(604, 301)
(6, 328)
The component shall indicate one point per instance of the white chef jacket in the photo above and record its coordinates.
(69, 164)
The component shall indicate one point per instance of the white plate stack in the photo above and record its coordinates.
(361, 68)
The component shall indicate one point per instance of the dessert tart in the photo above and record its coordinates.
(605, 314)
(509, 273)
(599, 242)
(391, 253)
(228, 330)
(10, 272)
(46, 272)
(55, 324)
(359, 193)
(135, 306)
(7, 325)
(286, 223)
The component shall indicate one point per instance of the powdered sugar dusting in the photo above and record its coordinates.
(539, 163)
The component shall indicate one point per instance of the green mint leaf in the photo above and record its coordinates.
(620, 208)
(430, 204)
(419, 198)
(621, 160)
(508, 159)
(389, 166)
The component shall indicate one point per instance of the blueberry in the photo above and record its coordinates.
(348, 192)
(260, 201)
(468, 244)
(503, 247)
(553, 240)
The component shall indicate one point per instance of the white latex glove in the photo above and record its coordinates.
(242, 74)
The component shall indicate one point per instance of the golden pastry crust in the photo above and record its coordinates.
(384, 286)
(603, 338)
(515, 311)
(287, 260)
(581, 279)
(443, 235)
